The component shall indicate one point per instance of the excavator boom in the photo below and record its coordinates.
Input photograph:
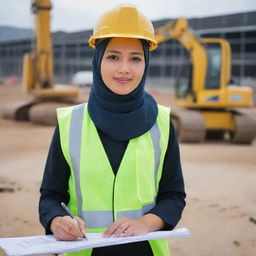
(179, 30)
(38, 65)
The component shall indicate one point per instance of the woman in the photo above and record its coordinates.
(115, 161)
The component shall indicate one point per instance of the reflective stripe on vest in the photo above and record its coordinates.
(102, 219)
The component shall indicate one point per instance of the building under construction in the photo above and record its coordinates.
(72, 52)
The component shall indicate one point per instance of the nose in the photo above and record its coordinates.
(124, 67)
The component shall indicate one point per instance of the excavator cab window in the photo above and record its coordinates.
(184, 82)
(214, 66)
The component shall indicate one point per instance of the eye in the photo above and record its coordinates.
(112, 57)
(136, 59)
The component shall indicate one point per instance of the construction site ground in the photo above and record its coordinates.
(220, 181)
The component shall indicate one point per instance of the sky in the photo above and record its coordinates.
(76, 15)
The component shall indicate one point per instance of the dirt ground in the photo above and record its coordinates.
(220, 181)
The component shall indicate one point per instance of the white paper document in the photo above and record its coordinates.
(46, 244)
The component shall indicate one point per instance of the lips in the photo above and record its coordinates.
(122, 80)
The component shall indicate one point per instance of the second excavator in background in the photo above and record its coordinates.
(37, 76)
(207, 104)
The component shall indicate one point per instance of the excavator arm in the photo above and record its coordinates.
(179, 30)
(38, 65)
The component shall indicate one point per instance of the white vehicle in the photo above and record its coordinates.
(82, 79)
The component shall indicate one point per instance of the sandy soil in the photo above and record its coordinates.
(220, 183)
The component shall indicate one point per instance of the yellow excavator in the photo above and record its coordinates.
(37, 76)
(206, 103)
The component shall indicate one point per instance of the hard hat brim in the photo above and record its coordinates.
(152, 43)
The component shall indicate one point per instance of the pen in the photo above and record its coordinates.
(71, 215)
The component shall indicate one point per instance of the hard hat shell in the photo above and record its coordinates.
(124, 21)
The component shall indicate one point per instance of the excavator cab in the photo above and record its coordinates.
(183, 85)
(205, 83)
(213, 75)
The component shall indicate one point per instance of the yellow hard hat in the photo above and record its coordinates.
(124, 21)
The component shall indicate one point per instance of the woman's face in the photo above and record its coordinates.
(123, 65)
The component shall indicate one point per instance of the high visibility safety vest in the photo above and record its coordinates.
(96, 194)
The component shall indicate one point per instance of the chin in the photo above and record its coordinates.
(122, 91)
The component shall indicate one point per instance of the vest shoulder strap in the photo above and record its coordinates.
(164, 110)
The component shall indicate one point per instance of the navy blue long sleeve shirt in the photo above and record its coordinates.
(170, 200)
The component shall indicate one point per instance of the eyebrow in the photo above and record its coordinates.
(118, 52)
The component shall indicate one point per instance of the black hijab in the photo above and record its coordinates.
(122, 117)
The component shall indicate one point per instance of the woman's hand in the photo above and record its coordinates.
(134, 227)
(126, 227)
(67, 229)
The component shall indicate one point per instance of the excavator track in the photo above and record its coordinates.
(18, 111)
(189, 125)
(45, 113)
(245, 130)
